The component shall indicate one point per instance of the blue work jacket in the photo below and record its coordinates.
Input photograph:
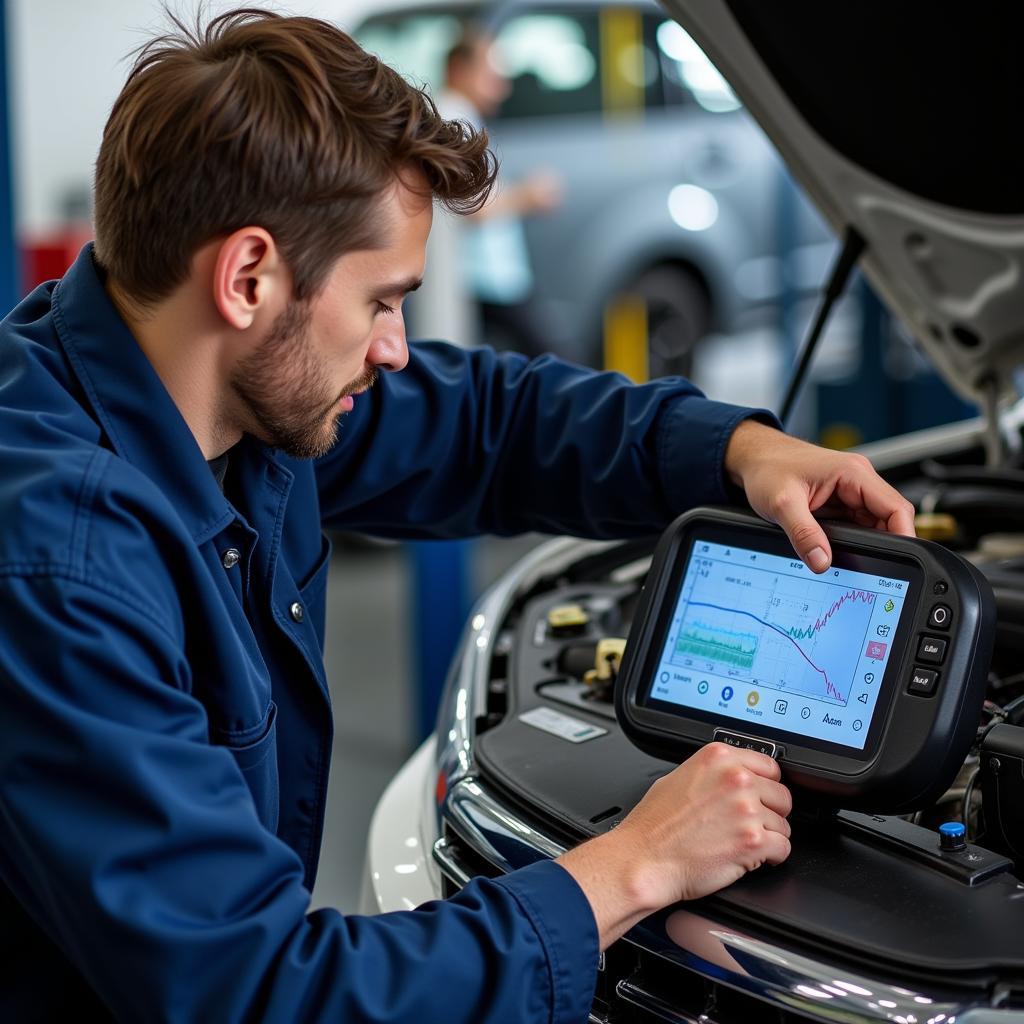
(165, 728)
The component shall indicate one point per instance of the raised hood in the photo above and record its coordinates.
(902, 120)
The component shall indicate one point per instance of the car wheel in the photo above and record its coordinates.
(678, 316)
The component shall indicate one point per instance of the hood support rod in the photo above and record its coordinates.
(853, 247)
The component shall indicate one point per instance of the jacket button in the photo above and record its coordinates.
(297, 611)
(230, 558)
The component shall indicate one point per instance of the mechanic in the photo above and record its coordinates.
(169, 415)
(494, 257)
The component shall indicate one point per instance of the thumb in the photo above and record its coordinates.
(805, 534)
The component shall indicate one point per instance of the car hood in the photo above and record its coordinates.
(900, 121)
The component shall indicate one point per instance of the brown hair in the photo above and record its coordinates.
(281, 122)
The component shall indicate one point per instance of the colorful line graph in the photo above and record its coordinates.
(729, 646)
(850, 595)
(740, 648)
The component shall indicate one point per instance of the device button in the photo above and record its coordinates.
(952, 836)
(736, 739)
(931, 649)
(940, 617)
(923, 681)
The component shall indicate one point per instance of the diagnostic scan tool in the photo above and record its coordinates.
(866, 681)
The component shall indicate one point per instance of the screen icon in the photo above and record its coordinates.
(805, 713)
(727, 693)
(780, 707)
(702, 686)
(875, 649)
(857, 725)
(752, 698)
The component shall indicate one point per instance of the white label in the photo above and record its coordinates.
(572, 729)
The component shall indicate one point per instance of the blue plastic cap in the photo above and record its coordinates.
(952, 828)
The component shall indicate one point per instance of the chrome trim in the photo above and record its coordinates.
(771, 973)
(789, 980)
(495, 833)
(447, 857)
(466, 686)
(630, 992)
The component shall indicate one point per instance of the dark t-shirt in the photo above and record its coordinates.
(219, 468)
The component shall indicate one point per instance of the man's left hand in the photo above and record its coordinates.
(788, 481)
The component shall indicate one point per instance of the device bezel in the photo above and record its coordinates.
(675, 724)
(770, 541)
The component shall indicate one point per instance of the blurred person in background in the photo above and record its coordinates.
(494, 258)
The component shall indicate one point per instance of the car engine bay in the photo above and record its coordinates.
(873, 890)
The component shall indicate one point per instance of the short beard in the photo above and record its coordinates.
(287, 394)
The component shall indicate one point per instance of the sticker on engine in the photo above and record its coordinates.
(554, 722)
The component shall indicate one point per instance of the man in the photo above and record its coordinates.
(169, 414)
(491, 249)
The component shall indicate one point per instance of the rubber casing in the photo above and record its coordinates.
(921, 740)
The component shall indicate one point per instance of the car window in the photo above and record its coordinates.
(414, 44)
(582, 61)
(553, 62)
(562, 61)
(688, 73)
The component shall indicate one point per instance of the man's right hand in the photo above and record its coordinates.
(701, 827)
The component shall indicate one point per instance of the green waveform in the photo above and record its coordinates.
(801, 634)
(718, 645)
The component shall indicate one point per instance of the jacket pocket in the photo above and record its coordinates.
(255, 753)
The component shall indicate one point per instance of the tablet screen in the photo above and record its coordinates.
(760, 638)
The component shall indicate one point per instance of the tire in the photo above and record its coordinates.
(678, 317)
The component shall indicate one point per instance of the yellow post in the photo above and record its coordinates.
(625, 337)
(622, 62)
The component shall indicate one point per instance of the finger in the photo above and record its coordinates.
(835, 509)
(761, 765)
(777, 823)
(777, 847)
(865, 489)
(792, 513)
(776, 797)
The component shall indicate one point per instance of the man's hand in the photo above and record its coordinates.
(701, 827)
(786, 480)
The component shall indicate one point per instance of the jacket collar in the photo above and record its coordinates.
(130, 401)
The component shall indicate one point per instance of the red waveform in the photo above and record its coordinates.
(850, 595)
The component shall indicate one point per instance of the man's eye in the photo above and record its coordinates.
(384, 308)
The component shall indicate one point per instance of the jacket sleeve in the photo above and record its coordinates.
(133, 843)
(468, 441)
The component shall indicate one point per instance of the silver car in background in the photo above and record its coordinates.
(672, 194)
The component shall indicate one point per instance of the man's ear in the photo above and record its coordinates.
(248, 277)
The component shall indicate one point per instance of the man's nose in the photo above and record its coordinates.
(389, 350)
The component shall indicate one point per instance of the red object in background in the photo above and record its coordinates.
(45, 257)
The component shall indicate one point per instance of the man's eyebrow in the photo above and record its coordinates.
(403, 287)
